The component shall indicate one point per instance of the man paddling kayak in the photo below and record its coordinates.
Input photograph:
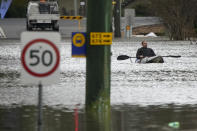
(147, 55)
(144, 51)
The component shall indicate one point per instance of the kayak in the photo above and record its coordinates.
(154, 59)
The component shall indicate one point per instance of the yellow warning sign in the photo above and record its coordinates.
(100, 38)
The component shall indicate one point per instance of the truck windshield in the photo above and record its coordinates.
(48, 8)
(44, 8)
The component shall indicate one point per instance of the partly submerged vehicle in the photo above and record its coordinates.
(154, 59)
(43, 15)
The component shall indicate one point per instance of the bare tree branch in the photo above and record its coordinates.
(178, 16)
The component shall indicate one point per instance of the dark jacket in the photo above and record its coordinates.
(146, 52)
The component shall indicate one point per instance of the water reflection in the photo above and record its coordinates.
(124, 118)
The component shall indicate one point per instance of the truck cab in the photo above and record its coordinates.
(43, 15)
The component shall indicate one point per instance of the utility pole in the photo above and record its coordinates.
(117, 15)
(75, 7)
(98, 66)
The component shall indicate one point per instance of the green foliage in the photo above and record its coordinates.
(17, 9)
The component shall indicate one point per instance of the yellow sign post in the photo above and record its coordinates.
(100, 38)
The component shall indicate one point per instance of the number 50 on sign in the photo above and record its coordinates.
(40, 57)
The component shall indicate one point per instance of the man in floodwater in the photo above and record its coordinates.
(144, 51)
(147, 55)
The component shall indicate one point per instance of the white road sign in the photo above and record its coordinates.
(40, 57)
(82, 3)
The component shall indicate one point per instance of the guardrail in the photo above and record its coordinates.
(71, 17)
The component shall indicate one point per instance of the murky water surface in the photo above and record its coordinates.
(143, 96)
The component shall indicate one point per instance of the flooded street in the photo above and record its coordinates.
(144, 97)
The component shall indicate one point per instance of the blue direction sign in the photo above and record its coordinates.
(5, 4)
(78, 44)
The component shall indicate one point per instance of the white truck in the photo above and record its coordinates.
(43, 15)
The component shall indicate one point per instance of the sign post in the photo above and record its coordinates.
(39, 107)
(128, 31)
(40, 59)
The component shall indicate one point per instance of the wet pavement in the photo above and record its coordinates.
(14, 26)
(143, 96)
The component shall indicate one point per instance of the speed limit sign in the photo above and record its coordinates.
(40, 57)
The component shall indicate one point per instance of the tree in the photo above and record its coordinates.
(178, 17)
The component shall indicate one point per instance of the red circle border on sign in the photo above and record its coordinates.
(45, 42)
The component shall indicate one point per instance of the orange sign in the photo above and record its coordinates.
(128, 27)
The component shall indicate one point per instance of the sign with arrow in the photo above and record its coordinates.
(100, 38)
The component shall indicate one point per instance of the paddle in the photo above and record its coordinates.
(125, 57)
(173, 56)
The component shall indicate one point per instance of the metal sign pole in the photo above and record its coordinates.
(75, 8)
(40, 107)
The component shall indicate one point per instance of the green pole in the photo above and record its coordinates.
(99, 19)
(98, 65)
